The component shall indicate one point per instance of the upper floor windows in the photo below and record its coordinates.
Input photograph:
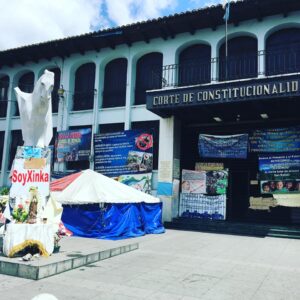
(241, 61)
(4, 85)
(54, 95)
(148, 75)
(84, 87)
(25, 84)
(194, 65)
(283, 52)
(115, 79)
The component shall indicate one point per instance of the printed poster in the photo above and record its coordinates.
(280, 173)
(73, 145)
(31, 172)
(216, 182)
(193, 182)
(125, 152)
(140, 182)
(227, 146)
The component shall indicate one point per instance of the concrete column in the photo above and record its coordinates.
(130, 90)
(261, 56)
(95, 126)
(64, 107)
(169, 153)
(7, 135)
(169, 73)
(214, 63)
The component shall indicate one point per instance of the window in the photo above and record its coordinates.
(84, 87)
(54, 95)
(115, 79)
(16, 140)
(241, 60)
(283, 52)
(148, 75)
(194, 65)
(4, 85)
(25, 84)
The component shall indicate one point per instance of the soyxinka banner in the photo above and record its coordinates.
(279, 173)
(124, 152)
(275, 140)
(73, 145)
(227, 146)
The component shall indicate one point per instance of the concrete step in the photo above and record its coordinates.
(238, 228)
(75, 252)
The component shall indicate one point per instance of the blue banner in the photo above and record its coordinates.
(279, 173)
(229, 146)
(275, 140)
(124, 152)
(73, 145)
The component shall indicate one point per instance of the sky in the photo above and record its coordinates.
(25, 22)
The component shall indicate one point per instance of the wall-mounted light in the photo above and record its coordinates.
(264, 116)
(61, 92)
(217, 119)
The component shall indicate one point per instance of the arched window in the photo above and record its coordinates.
(283, 52)
(194, 65)
(115, 79)
(84, 87)
(4, 85)
(241, 59)
(148, 75)
(54, 96)
(25, 84)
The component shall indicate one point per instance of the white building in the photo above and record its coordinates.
(105, 76)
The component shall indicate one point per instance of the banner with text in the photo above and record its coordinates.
(275, 140)
(229, 146)
(203, 206)
(124, 152)
(279, 173)
(73, 145)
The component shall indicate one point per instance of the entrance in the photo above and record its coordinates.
(243, 179)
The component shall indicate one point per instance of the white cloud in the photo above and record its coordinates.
(130, 11)
(25, 22)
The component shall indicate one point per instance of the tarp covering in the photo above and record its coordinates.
(113, 221)
(92, 187)
(60, 184)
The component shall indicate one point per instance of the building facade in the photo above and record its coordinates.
(173, 75)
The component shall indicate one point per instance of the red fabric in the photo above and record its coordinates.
(62, 230)
(60, 184)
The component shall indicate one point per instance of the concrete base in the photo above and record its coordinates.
(75, 252)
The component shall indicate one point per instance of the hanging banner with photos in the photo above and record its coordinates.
(229, 146)
(193, 182)
(73, 145)
(140, 182)
(275, 140)
(280, 173)
(203, 206)
(124, 152)
(216, 182)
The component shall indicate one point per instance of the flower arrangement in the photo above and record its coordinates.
(20, 214)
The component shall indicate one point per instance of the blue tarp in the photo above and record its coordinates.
(114, 221)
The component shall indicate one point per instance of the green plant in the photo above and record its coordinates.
(19, 213)
(4, 191)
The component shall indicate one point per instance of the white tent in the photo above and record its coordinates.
(92, 187)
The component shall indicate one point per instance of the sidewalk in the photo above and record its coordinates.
(179, 265)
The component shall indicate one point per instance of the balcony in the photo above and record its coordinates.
(233, 68)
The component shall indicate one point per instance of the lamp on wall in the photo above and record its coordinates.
(61, 92)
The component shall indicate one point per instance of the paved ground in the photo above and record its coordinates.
(179, 265)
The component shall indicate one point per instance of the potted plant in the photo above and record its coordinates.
(57, 238)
